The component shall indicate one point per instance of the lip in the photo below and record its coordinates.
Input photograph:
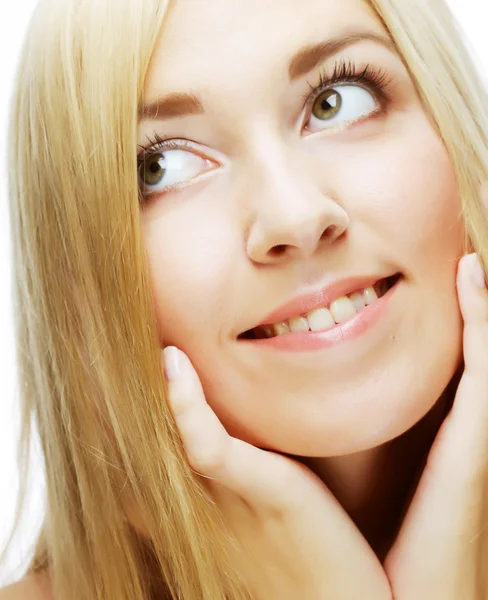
(353, 328)
(320, 298)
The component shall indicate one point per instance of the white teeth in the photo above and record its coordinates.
(342, 309)
(323, 318)
(298, 324)
(358, 300)
(320, 319)
(370, 296)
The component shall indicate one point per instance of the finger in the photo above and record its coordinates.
(447, 510)
(305, 516)
(464, 435)
(460, 450)
(254, 474)
(473, 301)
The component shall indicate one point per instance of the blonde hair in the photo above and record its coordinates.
(89, 360)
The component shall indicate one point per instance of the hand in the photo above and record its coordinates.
(439, 553)
(297, 542)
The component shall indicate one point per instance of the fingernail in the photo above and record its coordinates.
(477, 272)
(171, 362)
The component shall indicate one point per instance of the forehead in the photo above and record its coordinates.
(204, 40)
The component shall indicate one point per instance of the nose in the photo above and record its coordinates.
(293, 219)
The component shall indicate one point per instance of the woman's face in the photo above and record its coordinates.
(281, 192)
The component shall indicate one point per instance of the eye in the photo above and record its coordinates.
(341, 105)
(163, 171)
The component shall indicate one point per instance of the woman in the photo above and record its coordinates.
(286, 195)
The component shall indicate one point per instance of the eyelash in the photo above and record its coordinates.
(374, 79)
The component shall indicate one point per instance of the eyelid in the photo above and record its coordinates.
(344, 72)
(374, 79)
(159, 145)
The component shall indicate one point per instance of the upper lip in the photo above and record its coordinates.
(320, 298)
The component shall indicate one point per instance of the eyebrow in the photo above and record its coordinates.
(171, 106)
(179, 105)
(311, 56)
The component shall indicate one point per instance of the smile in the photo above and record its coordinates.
(343, 320)
(326, 317)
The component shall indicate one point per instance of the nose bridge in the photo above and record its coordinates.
(290, 210)
(280, 175)
(288, 201)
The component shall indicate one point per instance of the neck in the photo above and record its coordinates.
(376, 486)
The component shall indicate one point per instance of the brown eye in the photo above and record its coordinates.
(327, 105)
(171, 169)
(153, 169)
(346, 104)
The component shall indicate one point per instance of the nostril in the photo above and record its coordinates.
(278, 250)
(329, 232)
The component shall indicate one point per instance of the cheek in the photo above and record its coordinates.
(190, 271)
(409, 196)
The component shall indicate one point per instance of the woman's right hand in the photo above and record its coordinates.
(299, 544)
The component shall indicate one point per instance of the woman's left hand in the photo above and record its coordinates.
(441, 552)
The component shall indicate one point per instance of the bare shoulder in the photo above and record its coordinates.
(33, 587)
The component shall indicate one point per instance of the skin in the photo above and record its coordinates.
(295, 539)
(369, 419)
(283, 204)
(299, 539)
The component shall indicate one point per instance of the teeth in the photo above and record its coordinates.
(323, 318)
(320, 319)
(342, 309)
(281, 328)
(299, 324)
(358, 300)
(370, 296)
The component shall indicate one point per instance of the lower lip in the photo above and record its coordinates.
(342, 333)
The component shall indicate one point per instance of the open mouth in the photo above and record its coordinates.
(325, 317)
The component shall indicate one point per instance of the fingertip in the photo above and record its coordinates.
(470, 272)
(472, 294)
(171, 362)
(476, 271)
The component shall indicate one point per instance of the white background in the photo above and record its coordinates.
(14, 17)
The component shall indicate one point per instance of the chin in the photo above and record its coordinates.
(375, 423)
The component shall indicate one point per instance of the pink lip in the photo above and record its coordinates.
(324, 297)
(344, 332)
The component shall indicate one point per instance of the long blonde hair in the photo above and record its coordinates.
(88, 354)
